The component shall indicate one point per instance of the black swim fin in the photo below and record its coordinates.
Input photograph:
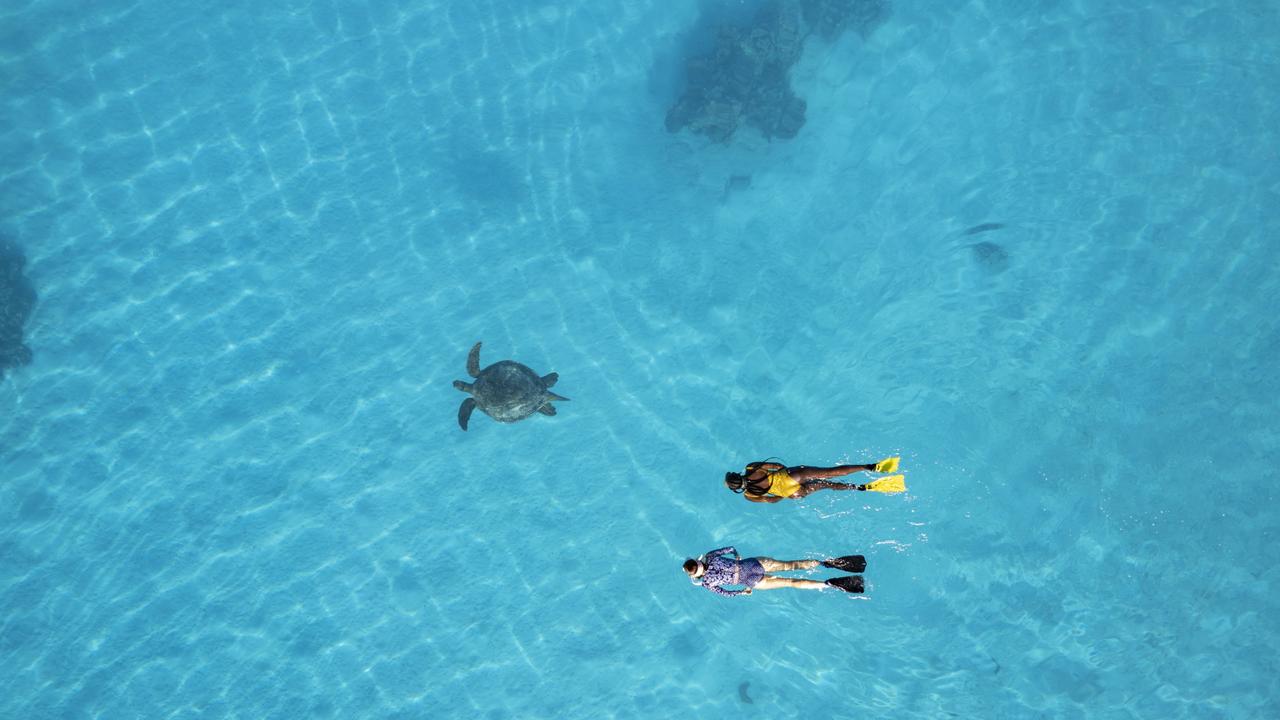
(847, 583)
(848, 563)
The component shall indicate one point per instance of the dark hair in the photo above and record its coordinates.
(691, 566)
(735, 482)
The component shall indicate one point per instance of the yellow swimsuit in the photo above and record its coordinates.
(781, 484)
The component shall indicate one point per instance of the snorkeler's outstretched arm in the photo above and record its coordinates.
(762, 498)
(722, 551)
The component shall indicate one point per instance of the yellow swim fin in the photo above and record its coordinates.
(891, 484)
(888, 464)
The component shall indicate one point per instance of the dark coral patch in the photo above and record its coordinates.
(744, 79)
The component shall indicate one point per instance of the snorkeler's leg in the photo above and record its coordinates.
(771, 566)
(772, 583)
(813, 486)
(805, 473)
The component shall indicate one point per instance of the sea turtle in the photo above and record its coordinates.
(505, 391)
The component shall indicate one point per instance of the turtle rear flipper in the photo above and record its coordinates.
(550, 379)
(473, 361)
(464, 412)
(547, 409)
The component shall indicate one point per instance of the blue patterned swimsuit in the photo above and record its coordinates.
(722, 570)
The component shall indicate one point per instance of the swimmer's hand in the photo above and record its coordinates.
(746, 591)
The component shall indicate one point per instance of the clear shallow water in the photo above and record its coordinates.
(265, 236)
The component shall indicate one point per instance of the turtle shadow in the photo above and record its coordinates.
(488, 178)
(17, 300)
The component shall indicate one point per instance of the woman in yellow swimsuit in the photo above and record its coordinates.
(769, 482)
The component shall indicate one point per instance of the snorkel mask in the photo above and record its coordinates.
(736, 482)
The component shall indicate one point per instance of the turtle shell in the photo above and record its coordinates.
(508, 391)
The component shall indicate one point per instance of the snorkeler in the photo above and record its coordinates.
(714, 570)
(769, 482)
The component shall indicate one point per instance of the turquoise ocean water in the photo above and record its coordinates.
(264, 236)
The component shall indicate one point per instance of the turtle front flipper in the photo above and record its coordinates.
(547, 409)
(464, 412)
(473, 361)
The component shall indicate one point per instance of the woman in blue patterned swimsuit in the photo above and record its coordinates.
(715, 570)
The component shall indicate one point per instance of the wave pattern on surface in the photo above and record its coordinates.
(266, 236)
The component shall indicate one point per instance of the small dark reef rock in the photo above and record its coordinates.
(17, 298)
(735, 184)
(744, 79)
(991, 256)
